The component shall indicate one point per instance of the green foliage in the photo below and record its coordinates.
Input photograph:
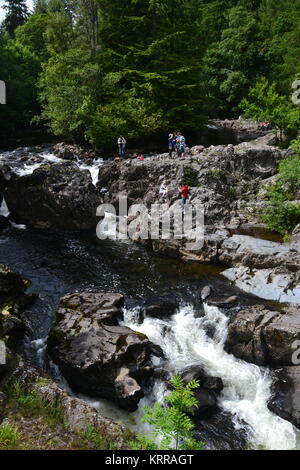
(190, 177)
(171, 421)
(9, 437)
(32, 404)
(19, 69)
(16, 14)
(139, 67)
(265, 104)
(92, 438)
(281, 215)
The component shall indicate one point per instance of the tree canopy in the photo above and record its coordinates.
(92, 69)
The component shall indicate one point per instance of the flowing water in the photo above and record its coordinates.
(57, 264)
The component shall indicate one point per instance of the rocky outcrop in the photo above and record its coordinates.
(73, 152)
(77, 414)
(13, 300)
(97, 356)
(285, 400)
(224, 181)
(264, 337)
(55, 197)
(266, 269)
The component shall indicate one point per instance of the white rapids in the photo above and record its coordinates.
(246, 386)
(184, 341)
(13, 159)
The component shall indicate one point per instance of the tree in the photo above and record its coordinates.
(265, 104)
(231, 63)
(171, 421)
(17, 14)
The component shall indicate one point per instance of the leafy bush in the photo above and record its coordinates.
(281, 216)
(191, 177)
(170, 421)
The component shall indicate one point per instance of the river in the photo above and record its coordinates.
(61, 263)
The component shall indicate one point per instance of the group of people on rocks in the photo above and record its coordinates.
(176, 141)
(177, 144)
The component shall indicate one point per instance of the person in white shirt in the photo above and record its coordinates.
(122, 146)
(163, 191)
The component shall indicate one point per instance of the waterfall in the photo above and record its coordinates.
(4, 211)
(184, 340)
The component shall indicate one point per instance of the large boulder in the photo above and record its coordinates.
(285, 400)
(264, 337)
(160, 306)
(97, 356)
(55, 196)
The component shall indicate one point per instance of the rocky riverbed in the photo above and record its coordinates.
(116, 317)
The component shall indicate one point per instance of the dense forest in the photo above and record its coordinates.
(92, 69)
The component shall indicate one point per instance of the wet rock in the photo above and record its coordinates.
(206, 394)
(11, 284)
(4, 222)
(264, 337)
(73, 152)
(91, 352)
(220, 433)
(205, 293)
(13, 300)
(213, 383)
(207, 403)
(94, 307)
(285, 400)
(160, 306)
(244, 338)
(5, 176)
(55, 196)
(127, 388)
(192, 372)
(227, 302)
(280, 336)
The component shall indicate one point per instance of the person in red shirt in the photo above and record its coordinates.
(184, 190)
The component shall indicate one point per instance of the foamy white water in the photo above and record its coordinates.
(246, 386)
(4, 211)
(93, 169)
(23, 168)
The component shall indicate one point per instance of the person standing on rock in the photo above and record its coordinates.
(181, 145)
(184, 191)
(172, 144)
(122, 146)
